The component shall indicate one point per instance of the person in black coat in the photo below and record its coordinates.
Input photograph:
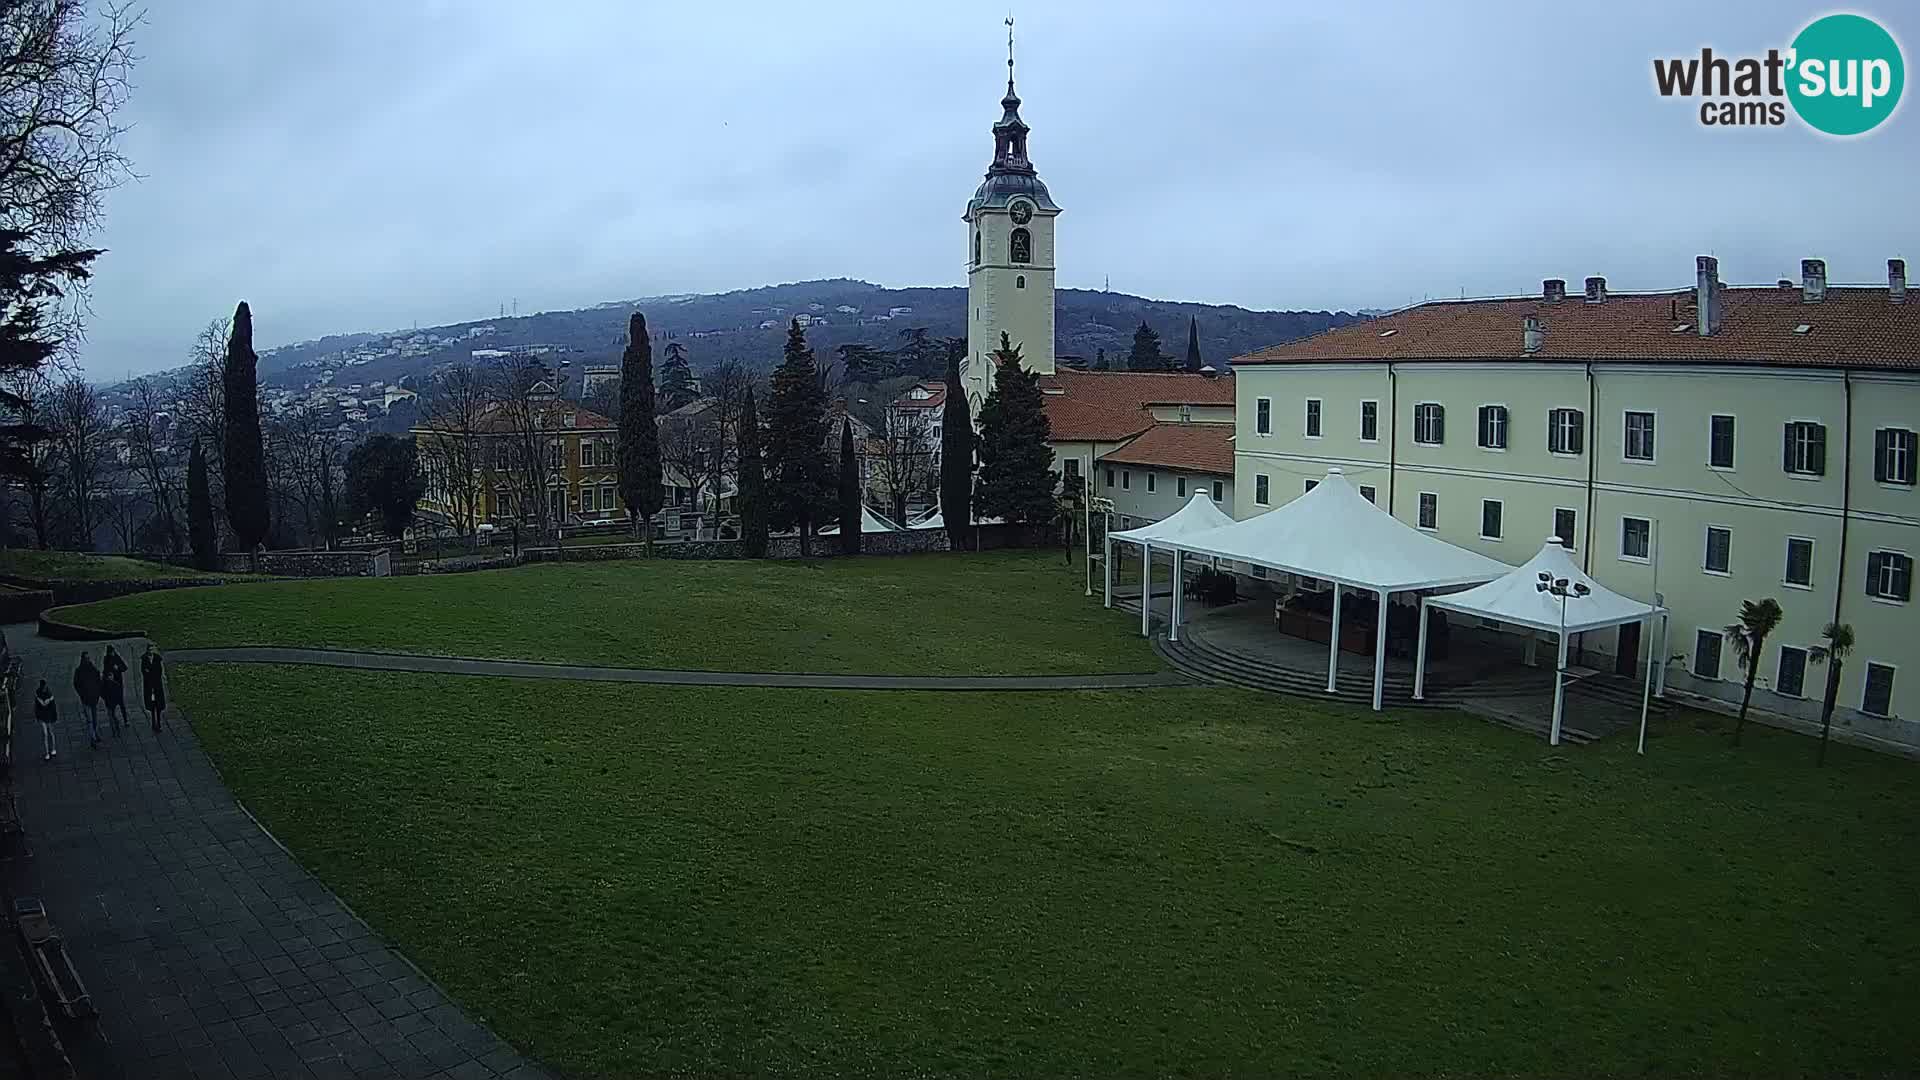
(153, 684)
(113, 687)
(86, 683)
(45, 712)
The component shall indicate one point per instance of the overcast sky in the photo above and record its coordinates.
(368, 164)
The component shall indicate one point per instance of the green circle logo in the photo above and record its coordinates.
(1846, 75)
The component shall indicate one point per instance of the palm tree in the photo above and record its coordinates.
(1839, 645)
(1749, 637)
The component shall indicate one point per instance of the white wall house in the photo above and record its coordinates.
(1754, 441)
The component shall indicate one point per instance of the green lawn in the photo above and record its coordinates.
(79, 566)
(632, 880)
(982, 613)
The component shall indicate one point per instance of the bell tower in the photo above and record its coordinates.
(1009, 254)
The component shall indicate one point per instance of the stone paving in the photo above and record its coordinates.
(207, 950)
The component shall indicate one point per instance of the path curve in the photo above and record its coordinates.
(525, 669)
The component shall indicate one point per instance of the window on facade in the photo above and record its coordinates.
(1720, 442)
(1493, 427)
(1313, 418)
(1151, 477)
(1219, 491)
(1791, 679)
(1719, 549)
(1636, 536)
(1263, 416)
(1180, 487)
(1799, 562)
(1706, 654)
(1109, 478)
(1889, 576)
(1565, 524)
(1071, 470)
(1126, 479)
(1638, 439)
(1877, 699)
(1369, 421)
(1804, 452)
(1893, 454)
(586, 500)
(1566, 431)
(976, 247)
(1429, 423)
(1490, 511)
(1022, 246)
(586, 453)
(1020, 281)
(1429, 510)
(1369, 493)
(1260, 489)
(606, 498)
(556, 455)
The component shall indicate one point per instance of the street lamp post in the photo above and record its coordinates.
(1561, 588)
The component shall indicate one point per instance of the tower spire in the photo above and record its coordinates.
(1010, 55)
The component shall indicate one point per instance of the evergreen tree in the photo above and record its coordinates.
(753, 483)
(1100, 359)
(639, 438)
(1016, 478)
(244, 456)
(800, 480)
(200, 531)
(956, 456)
(30, 287)
(1146, 354)
(850, 502)
(1194, 363)
(677, 387)
(384, 480)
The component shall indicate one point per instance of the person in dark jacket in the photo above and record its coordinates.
(113, 688)
(153, 684)
(86, 683)
(45, 712)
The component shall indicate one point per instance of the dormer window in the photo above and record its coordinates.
(1022, 246)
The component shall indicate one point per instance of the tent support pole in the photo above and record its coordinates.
(1146, 590)
(1420, 657)
(1173, 605)
(1333, 643)
(1660, 670)
(1106, 568)
(1559, 691)
(1380, 652)
(1646, 691)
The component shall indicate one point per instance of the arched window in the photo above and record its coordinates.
(1022, 246)
(976, 247)
(1020, 282)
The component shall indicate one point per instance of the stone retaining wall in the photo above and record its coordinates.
(309, 564)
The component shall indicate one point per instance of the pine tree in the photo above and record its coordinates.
(677, 387)
(956, 456)
(850, 501)
(1100, 359)
(244, 456)
(1146, 354)
(1016, 478)
(753, 483)
(1194, 363)
(200, 531)
(639, 438)
(800, 483)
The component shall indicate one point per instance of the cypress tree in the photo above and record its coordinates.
(639, 438)
(800, 480)
(200, 530)
(956, 456)
(1016, 478)
(244, 457)
(677, 387)
(1146, 354)
(753, 483)
(850, 501)
(1100, 359)
(1194, 363)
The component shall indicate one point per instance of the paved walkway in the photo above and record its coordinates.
(206, 948)
(449, 665)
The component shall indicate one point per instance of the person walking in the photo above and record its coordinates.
(113, 688)
(45, 712)
(86, 683)
(153, 684)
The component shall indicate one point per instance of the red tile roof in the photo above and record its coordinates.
(1107, 406)
(1206, 448)
(936, 398)
(1853, 327)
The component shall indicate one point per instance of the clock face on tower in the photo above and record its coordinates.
(1021, 210)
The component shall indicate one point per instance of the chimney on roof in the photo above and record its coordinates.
(1596, 290)
(1897, 280)
(1533, 332)
(1554, 290)
(1706, 294)
(1813, 280)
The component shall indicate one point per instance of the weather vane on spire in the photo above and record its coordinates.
(1009, 48)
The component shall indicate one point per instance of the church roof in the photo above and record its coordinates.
(1206, 448)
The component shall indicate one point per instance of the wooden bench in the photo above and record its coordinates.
(50, 960)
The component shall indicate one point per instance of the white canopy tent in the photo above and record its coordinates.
(1549, 593)
(938, 520)
(870, 522)
(1199, 515)
(1334, 533)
